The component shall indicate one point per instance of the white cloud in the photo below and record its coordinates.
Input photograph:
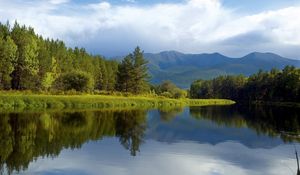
(190, 26)
(131, 1)
(190, 158)
(58, 1)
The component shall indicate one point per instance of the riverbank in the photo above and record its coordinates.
(13, 102)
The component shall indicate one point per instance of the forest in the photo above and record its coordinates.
(274, 85)
(29, 62)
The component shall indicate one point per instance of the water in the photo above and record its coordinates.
(198, 140)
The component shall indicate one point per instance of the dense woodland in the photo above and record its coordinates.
(30, 62)
(274, 85)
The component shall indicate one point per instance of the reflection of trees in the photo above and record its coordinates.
(130, 129)
(26, 136)
(273, 121)
(167, 114)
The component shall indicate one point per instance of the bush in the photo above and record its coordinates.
(166, 94)
(179, 93)
(79, 81)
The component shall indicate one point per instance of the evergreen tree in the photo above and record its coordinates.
(8, 53)
(140, 71)
(27, 62)
(125, 81)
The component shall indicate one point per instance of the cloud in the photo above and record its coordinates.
(131, 1)
(108, 157)
(190, 26)
(58, 1)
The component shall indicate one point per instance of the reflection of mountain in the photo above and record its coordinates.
(255, 128)
(27, 136)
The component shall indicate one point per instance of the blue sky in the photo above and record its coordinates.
(241, 5)
(115, 27)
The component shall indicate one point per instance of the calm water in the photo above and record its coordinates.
(198, 140)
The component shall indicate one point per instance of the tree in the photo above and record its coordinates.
(27, 62)
(140, 71)
(8, 57)
(111, 75)
(132, 73)
(125, 75)
(170, 90)
(51, 76)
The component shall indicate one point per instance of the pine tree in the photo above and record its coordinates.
(125, 75)
(27, 64)
(8, 51)
(140, 71)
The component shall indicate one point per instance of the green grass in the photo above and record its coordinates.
(19, 101)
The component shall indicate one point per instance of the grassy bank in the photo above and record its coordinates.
(13, 102)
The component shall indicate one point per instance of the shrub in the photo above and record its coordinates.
(166, 94)
(179, 93)
(79, 81)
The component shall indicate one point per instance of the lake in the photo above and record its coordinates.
(211, 140)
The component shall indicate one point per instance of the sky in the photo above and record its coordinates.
(115, 27)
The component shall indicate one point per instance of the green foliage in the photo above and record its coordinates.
(49, 77)
(140, 71)
(170, 90)
(29, 62)
(133, 73)
(125, 81)
(79, 81)
(273, 86)
(8, 57)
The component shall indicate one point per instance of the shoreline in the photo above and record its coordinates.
(23, 102)
(279, 104)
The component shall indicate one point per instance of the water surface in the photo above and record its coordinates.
(197, 140)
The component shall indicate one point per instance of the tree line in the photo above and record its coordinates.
(30, 62)
(274, 85)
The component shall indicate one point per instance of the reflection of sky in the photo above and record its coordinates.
(108, 157)
(185, 128)
(183, 146)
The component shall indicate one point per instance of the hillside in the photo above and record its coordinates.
(183, 69)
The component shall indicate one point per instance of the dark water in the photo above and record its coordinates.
(198, 140)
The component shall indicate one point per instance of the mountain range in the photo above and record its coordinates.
(183, 69)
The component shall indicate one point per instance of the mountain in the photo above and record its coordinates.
(183, 69)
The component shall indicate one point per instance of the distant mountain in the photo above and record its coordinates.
(183, 69)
